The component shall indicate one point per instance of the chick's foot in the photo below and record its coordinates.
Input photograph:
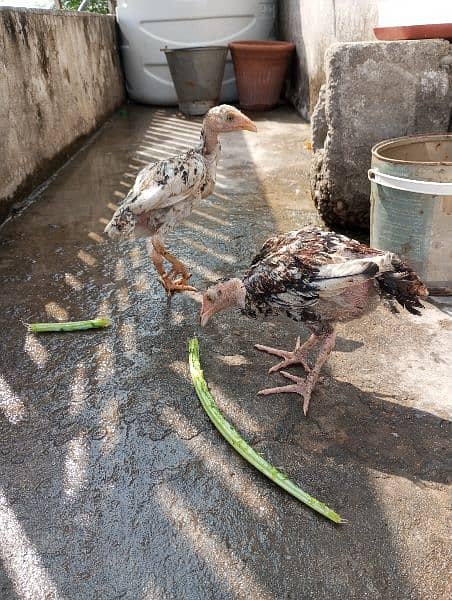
(298, 356)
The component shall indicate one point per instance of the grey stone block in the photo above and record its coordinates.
(374, 91)
(319, 125)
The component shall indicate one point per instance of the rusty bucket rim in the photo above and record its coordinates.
(394, 142)
(193, 48)
(263, 45)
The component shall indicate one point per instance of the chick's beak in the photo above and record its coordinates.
(204, 319)
(205, 314)
(246, 123)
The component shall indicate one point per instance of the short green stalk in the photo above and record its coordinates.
(239, 444)
(68, 326)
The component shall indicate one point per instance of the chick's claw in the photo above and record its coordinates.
(302, 387)
(298, 356)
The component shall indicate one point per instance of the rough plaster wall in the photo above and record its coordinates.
(59, 78)
(374, 91)
(313, 25)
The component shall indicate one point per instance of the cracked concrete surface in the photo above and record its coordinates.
(113, 482)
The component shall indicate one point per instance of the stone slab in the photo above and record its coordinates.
(374, 91)
(113, 482)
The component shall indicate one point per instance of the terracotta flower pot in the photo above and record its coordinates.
(260, 68)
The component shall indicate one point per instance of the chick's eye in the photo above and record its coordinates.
(229, 117)
(210, 297)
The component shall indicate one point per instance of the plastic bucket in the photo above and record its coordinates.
(197, 74)
(260, 68)
(411, 203)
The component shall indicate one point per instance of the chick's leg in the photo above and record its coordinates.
(304, 386)
(178, 268)
(297, 357)
(157, 260)
(170, 280)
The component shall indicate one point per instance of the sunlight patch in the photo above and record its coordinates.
(11, 405)
(21, 559)
(35, 350)
(225, 564)
(75, 466)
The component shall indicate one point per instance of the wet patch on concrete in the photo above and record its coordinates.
(113, 482)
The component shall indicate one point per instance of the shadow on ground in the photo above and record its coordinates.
(113, 482)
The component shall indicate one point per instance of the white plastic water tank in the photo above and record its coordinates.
(146, 27)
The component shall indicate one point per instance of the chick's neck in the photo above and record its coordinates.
(209, 140)
(236, 293)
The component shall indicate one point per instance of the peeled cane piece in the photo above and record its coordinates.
(68, 326)
(239, 444)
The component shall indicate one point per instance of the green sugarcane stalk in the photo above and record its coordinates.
(238, 443)
(68, 326)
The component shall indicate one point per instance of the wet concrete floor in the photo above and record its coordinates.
(113, 482)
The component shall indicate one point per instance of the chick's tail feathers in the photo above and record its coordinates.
(401, 284)
(122, 223)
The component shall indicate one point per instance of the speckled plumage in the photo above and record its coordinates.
(321, 277)
(165, 193)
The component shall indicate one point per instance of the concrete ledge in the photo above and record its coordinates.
(374, 91)
(314, 25)
(60, 77)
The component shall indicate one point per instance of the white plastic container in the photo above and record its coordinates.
(147, 27)
(399, 13)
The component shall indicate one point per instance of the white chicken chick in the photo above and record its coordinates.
(165, 193)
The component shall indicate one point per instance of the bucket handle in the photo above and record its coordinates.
(432, 188)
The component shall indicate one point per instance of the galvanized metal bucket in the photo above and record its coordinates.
(411, 203)
(197, 74)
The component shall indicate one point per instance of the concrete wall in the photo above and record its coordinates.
(60, 76)
(313, 25)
